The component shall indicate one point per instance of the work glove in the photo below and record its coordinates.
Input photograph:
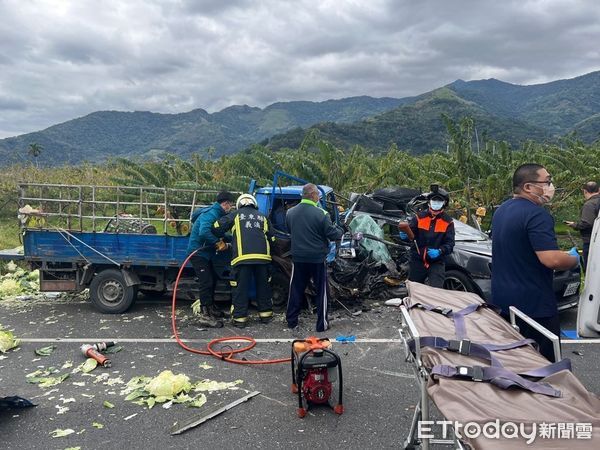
(433, 253)
(575, 253)
(403, 236)
(221, 246)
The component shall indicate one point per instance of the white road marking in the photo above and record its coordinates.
(266, 340)
(169, 340)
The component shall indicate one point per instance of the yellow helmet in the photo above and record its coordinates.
(246, 200)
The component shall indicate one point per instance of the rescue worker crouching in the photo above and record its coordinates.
(251, 250)
(206, 244)
(433, 233)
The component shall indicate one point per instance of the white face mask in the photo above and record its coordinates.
(436, 205)
(548, 192)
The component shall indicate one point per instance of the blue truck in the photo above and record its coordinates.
(118, 241)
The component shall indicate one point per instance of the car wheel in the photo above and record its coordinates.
(110, 294)
(456, 280)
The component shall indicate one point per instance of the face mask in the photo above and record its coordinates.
(548, 192)
(436, 205)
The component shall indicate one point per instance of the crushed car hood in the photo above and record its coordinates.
(483, 248)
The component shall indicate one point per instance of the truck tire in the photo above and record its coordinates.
(455, 280)
(110, 294)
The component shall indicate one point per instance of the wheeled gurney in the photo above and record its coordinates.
(477, 369)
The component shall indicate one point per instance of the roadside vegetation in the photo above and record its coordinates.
(476, 172)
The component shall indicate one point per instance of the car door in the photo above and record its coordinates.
(588, 314)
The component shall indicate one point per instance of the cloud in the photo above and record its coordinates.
(61, 60)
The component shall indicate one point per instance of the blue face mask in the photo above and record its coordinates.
(436, 205)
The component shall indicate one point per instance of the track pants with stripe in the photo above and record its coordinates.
(301, 275)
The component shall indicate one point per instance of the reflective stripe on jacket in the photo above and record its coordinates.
(251, 233)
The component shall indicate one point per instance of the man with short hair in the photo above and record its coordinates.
(311, 230)
(589, 212)
(525, 253)
(206, 244)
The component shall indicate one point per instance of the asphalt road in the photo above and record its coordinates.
(379, 390)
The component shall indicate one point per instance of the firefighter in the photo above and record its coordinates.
(251, 234)
(433, 233)
(206, 244)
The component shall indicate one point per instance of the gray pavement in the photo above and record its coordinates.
(379, 391)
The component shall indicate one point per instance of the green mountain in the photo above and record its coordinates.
(417, 127)
(501, 111)
(106, 134)
(557, 106)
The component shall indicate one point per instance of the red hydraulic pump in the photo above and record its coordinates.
(315, 368)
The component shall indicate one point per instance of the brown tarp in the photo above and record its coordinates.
(480, 402)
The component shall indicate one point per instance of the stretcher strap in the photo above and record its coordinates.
(497, 376)
(458, 317)
(469, 348)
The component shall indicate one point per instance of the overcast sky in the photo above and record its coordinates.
(63, 59)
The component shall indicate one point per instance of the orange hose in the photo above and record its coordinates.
(223, 355)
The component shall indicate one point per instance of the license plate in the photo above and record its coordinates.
(571, 289)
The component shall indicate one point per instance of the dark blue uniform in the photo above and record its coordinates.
(519, 229)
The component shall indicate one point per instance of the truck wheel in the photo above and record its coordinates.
(110, 294)
(455, 280)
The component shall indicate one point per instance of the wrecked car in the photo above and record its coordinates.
(469, 267)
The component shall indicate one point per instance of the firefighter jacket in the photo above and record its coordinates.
(201, 236)
(251, 234)
(432, 232)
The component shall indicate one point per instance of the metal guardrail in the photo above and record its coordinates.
(84, 207)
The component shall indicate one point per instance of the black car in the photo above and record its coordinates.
(469, 268)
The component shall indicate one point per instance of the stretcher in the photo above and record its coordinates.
(492, 387)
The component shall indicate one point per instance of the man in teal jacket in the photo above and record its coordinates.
(203, 240)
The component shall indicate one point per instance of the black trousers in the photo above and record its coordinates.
(546, 347)
(206, 275)
(586, 253)
(436, 273)
(243, 275)
(301, 276)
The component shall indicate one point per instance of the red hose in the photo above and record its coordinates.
(223, 355)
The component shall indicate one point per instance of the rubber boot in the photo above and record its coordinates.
(215, 312)
(206, 319)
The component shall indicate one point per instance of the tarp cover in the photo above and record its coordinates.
(468, 401)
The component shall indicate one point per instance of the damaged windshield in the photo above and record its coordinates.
(465, 232)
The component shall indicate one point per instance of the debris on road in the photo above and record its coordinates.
(197, 420)
(97, 425)
(7, 340)
(108, 404)
(14, 402)
(45, 351)
(17, 281)
(61, 433)
(89, 365)
(42, 377)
